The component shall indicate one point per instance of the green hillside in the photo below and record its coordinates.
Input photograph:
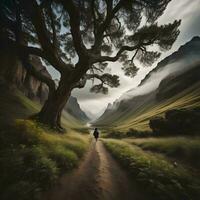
(136, 112)
(140, 119)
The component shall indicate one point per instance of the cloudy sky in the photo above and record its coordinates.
(186, 10)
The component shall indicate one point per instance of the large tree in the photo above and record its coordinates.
(80, 37)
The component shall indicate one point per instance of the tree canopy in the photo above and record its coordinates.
(80, 37)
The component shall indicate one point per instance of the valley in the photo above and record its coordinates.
(99, 100)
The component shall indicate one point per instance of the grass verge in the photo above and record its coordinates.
(183, 149)
(158, 177)
(32, 158)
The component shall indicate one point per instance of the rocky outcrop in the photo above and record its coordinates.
(15, 75)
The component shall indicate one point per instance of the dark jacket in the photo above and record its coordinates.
(96, 133)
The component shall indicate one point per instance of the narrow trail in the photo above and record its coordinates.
(98, 177)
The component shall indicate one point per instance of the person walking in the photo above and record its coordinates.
(96, 134)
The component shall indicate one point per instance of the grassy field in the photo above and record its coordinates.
(32, 157)
(183, 149)
(155, 174)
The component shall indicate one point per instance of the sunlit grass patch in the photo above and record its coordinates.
(32, 158)
(160, 178)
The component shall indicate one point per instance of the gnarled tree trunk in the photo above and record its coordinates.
(50, 113)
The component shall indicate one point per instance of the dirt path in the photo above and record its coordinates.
(98, 177)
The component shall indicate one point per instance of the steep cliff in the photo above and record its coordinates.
(15, 75)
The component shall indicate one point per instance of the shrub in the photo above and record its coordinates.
(177, 122)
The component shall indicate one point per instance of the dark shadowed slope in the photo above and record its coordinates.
(99, 177)
(187, 53)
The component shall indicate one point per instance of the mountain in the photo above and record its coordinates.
(178, 89)
(189, 53)
(75, 110)
(14, 75)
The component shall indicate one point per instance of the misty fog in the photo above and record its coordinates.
(155, 78)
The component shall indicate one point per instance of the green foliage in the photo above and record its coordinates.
(186, 150)
(72, 32)
(130, 69)
(106, 79)
(177, 122)
(160, 178)
(32, 159)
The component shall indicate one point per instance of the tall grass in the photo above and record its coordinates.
(158, 177)
(182, 149)
(32, 158)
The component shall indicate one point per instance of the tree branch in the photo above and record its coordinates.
(37, 74)
(74, 15)
(110, 34)
(37, 18)
(94, 16)
(110, 15)
(52, 27)
(117, 56)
